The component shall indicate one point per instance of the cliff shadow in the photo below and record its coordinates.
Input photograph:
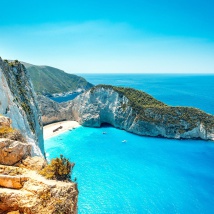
(106, 125)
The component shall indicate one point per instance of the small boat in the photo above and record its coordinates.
(104, 132)
(124, 141)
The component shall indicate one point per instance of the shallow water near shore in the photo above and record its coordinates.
(142, 175)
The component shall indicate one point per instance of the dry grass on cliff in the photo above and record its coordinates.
(12, 134)
(5, 131)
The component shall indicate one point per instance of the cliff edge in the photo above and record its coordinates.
(25, 191)
(18, 102)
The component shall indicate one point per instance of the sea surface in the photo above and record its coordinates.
(65, 98)
(143, 174)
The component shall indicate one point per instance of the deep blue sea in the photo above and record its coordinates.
(143, 175)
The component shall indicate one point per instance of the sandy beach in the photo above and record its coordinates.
(55, 129)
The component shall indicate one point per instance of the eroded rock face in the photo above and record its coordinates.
(33, 163)
(13, 182)
(12, 152)
(5, 121)
(18, 102)
(105, 105)
(53, 111)
(102, 106)
(38, 195)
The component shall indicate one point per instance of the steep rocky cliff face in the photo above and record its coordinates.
(139, 113)
(17, 101)
(53, 111)
(21, 137)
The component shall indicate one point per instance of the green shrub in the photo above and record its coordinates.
(58, 169)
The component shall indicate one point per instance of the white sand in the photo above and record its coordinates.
(66, 126)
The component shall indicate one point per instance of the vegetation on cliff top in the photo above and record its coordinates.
(149, 109)
(49, 80)
(137, 99)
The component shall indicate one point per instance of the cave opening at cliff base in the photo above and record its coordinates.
(104, 124)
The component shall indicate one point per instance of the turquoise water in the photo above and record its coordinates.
(143, 175)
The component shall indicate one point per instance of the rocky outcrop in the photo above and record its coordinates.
(34, 163)
(53, 111)
(18, 102)
(5, 121)
(139, 113)
(12, 152)
(32, 194)
(24, 190)
(12, 182)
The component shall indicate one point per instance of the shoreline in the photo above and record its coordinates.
(54, 129)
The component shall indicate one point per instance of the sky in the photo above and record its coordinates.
(114, 36)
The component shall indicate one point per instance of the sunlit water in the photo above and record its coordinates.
(143, 175)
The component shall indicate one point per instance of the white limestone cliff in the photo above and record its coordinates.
(52, 111)
(105, 105)
(17, 101)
